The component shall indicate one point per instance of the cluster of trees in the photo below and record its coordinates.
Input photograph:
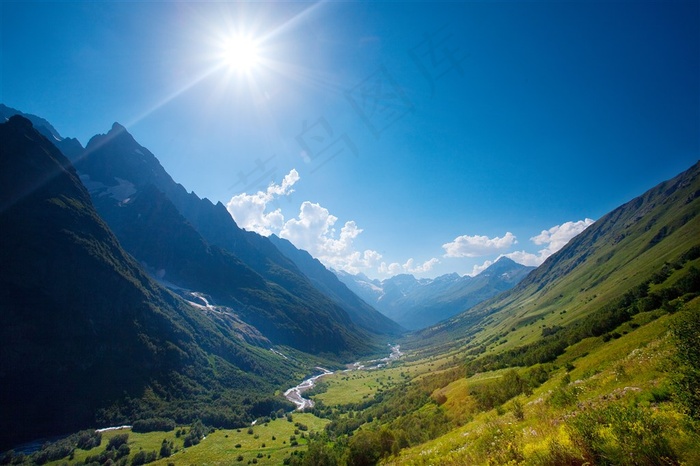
(116, 453)
(196, 433)
(117, 450)
(158, 424)
(65, 447)
(494, 393)
(686, 375)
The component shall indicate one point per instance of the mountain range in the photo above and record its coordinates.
(86, 336)
(190, 243)
(188, 304)
(419, 303)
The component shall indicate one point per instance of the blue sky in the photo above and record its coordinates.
(399, 136)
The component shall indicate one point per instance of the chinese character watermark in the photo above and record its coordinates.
(379, 101)
(257, 177)
(319, 143)
(436, 56)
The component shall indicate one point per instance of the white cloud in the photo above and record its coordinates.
(554, 239)
(314, 231)
(426, 266)
(557, 236)
(477, 246)
(409, 266)
(528, 258)
(389, 269)
(477, 269)
(249, 210)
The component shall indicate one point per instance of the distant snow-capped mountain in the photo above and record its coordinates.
(418, 303)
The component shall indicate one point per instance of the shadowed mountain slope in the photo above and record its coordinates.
(327, 282)
(84, 331)
(248, 273)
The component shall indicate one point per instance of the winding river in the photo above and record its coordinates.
(294, 394)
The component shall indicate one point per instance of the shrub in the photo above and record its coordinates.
(123, 451)
(623, 435)
(197, 432)
(88, 439)
(166, 449)
(518, 411)
(143, 458)
(153, 425)
(686, 379)
(117, 441)
(563, 396)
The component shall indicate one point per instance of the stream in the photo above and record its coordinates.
(294, 394)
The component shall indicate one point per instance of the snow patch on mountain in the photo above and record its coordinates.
(122, 192)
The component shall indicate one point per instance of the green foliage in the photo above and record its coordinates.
(88, 439)
(621, 435)
(143, 457)
(366, 448)
(197, 432)
(558, 454)
(492, 394)
(117, 441)
(319, 453)
(53, 451)
(563, 396)
(153, 425)
(123, 451)
(166, 449)
(499, 444)
(686, 380)
(517, 409)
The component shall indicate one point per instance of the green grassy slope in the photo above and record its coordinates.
(615, 254)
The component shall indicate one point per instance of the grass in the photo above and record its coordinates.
(630, 371)
(219, 447)
(356, 386)
(343, 388)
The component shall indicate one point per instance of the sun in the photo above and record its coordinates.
(241, 53)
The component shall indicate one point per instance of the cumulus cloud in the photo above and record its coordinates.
(477, 246)
(409, 266)
(314, 230)
(250, 210)
(528, 258)
(553, 239)
(426, 266)
(477, 269)
(556, 237)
